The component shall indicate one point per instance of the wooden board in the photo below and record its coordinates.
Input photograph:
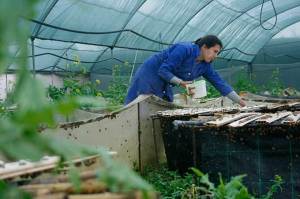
(291, 118)
(270, 118)
(226, 119)
(15, 169)
(245, 120)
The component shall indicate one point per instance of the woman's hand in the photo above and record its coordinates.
(188, 86)
(242, 103)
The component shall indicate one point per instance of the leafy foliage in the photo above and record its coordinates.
(73, 86)
(119, 177)
(74, 83)
(33, 112)
(275, 86)
(275, 187)
(171, 185)
(20, 137)
(244, 83)
(10, 192)
(117, 90)
(55, 93)
(212, 92)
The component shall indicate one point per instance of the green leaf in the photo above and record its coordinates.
(197, 172)
(29, 93)
(75, 178)
(10, 192)
(119, 177)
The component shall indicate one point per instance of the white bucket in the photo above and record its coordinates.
(199, 88)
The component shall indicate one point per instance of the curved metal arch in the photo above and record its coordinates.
(255, 27)
(282, 28)
(37, 27)
(278, 28)
(128, 20)
(251, 8)
(119, 34)
(98, 58)
(229, 51)
(65, 51)
(189, 19)
(282, 11)
(78, 1)
(242, 13)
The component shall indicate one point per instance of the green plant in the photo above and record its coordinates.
(75, 87)
(55, 93)
(212, 92)
(74, 83)
(5, 110)
(117, 90)
(20, 137)
(11, 192)
(275, 187)
(198, 186)
(169, 183)
(244, 83)
(120, 178)
(275, 86)
(233, 189)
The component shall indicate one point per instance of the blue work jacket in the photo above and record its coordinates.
(154, 75)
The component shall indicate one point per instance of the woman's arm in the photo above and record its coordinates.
(214, 78)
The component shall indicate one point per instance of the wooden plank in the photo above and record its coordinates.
(134, 195)
(228, 119)
(85, 175)
(99, 196)
(86, 187)
(15, 169)
(294, 105)
(184, 111)
(252, 108)
(260, 98)
(270, 118)
(245, 120)
(195, 111)
(284, 106)
(291, 118)
(52, 196)
(278, 107)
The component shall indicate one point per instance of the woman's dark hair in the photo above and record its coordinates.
(209, 41)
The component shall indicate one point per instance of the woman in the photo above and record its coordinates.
(179, 65)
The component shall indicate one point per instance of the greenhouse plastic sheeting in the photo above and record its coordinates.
(139, 26)
(280, 51)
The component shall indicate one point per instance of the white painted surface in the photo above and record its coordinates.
(7, 81)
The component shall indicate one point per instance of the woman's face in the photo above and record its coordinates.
(209, 54)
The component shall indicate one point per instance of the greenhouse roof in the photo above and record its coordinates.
(96, 31)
